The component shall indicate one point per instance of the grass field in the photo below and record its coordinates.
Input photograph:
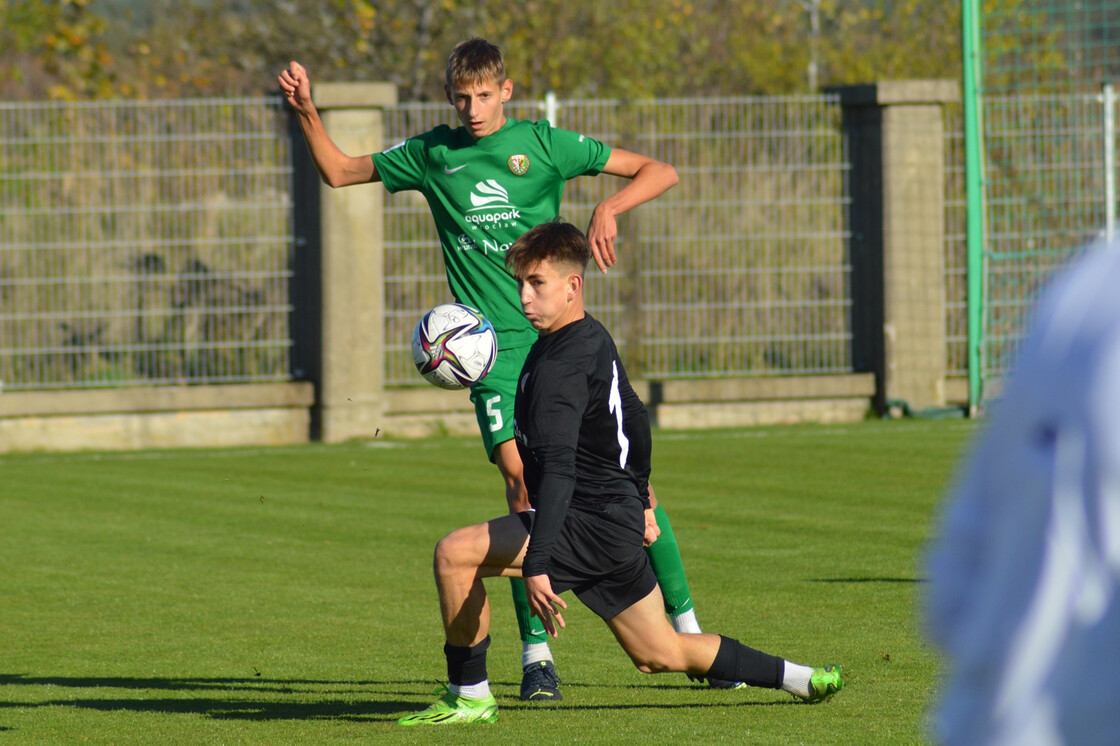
(284, 595)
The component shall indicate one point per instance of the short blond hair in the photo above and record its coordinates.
(475, 61)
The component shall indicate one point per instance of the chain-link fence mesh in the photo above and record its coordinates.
(741, 269)
(144, 243)
(1047, 110)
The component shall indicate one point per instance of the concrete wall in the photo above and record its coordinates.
(165, 417)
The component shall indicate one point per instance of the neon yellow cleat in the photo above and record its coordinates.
(824, 683)
(450, 709)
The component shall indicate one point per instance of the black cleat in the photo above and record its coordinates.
(717, 683)
(539, 683)
(721, 684)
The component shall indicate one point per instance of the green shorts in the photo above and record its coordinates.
(493, 398)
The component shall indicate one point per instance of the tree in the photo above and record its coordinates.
(52, 49)
(890, 39)
(622, 49)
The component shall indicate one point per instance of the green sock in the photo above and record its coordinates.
(665, 556)
(531, 629)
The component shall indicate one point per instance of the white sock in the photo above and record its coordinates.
(686, 622)
(471, 691)
(535, 652)
(795, 680)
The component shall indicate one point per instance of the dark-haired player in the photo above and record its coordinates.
(585, 441)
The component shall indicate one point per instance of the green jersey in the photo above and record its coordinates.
(483, 195)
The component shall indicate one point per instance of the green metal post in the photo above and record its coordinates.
(974, 185)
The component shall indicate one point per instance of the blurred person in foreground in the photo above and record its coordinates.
(1025, 572)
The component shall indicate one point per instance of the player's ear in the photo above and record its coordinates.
(575, 284)
(447, 92)
(507, 89)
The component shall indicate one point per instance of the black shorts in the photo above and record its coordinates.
(600, 557)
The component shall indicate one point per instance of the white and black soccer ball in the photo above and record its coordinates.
(454, 346)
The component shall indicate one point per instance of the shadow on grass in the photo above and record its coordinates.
(868, 580)
(307, 699)
(276, 699)
(254, 683)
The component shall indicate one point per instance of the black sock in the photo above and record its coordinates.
(736, 662)
(466, 665)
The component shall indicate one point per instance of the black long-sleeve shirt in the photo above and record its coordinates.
(582, 431)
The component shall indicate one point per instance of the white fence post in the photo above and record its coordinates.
(1108, 100)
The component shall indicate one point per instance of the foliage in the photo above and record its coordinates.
(625, 49)
(53, 49)
(891, 40)
(1027, 47)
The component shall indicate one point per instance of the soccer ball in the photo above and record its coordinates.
(454, 346)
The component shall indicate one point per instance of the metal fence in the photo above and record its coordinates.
(1047, 197)
(144, 243)
(149, 243)
(1046, 131)
(739, 270)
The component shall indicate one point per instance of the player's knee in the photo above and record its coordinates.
(652, 667)
(441, 559)
(451, 555)
(649, 661)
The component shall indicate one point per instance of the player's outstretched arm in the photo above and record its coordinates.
(335, 167)
(648, 178)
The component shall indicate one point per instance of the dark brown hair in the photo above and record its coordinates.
(556, 241)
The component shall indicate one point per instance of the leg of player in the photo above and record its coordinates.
(539, 682)
(655, 647)
(462, 559)
(665, 557)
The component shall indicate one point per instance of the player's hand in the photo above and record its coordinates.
(296, 86)
(543, 603)
(601, 234)
(652, 529)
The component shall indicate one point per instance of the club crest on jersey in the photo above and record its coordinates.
(518, 164)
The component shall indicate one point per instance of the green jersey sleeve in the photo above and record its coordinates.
(405, 165)
(575, 154)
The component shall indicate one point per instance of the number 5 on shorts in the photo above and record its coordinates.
(494, 414)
